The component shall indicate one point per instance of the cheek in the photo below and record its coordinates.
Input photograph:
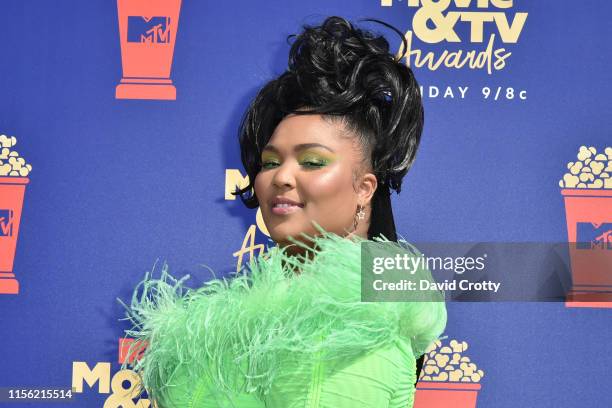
(260, 185)
(330, 188)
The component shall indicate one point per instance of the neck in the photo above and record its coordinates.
(293, 250)
(296, 251)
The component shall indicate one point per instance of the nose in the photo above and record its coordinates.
(284, 175)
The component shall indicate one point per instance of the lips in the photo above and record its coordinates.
(284, 202)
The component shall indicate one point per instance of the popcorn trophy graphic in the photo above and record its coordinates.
(147, 33)
(448, 378)
(13, 180)
(587, 192)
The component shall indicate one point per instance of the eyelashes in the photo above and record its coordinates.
(316, 163)
(308, 162)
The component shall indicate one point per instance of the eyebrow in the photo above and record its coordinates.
(298, 147)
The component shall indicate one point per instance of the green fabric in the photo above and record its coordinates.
(382, 378)
(271, 338)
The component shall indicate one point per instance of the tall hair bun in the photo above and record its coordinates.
(346, 70)
(336, 58)
(337, 69)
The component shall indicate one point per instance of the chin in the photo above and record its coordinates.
(282, 237)
(281, 233)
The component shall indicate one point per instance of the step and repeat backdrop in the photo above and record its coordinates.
(118, 151)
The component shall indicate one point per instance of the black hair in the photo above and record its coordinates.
(345, 74)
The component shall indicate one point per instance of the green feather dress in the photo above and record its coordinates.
(269, 337)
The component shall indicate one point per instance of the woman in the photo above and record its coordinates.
(322, 145)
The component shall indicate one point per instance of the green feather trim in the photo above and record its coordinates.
(236, 332)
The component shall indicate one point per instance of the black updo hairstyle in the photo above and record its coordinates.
(345, 74)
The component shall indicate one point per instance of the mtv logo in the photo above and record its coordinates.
(594, 236)
(152, 30)
(6, 223)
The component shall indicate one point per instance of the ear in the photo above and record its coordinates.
(366, 188)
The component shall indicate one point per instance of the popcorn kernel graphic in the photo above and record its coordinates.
(446, 363)
(10, 162)
(591, 171)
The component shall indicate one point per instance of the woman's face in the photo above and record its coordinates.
(311, 162)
